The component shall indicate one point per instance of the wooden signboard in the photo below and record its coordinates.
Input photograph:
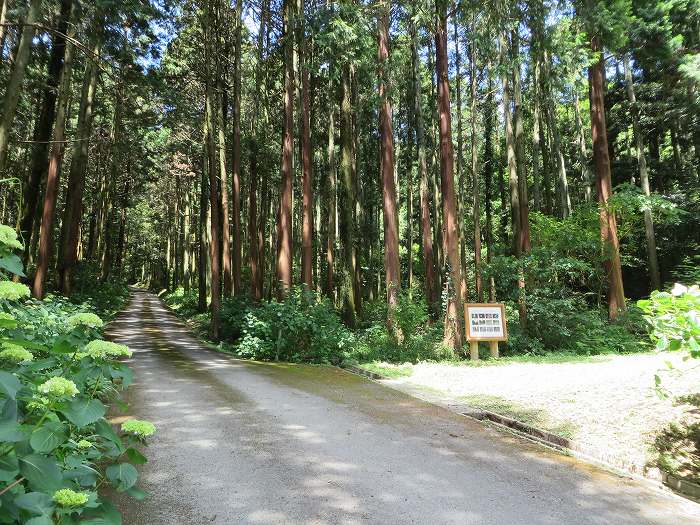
(485, 322)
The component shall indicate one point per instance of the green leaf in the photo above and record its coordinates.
(137, 493)
(13, 264)
(110, 516)
(82, 412)
(48, 437)
(123, 476)
(36, 503)
(9, 384)
(135, 456)
(11, 432)
(104, 429)
(63, 346)
(8, 323)
(41, 472)
(40, 520)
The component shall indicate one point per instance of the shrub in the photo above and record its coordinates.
(56, 447)
(302, 327)
(675, 318)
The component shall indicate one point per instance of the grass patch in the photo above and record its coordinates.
(530, 416)
(549, 358)
(388, 369)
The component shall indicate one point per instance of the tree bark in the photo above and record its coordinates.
(52, 178)
(44, 127)
(476, 200)
(14, 85)
(601, 159)
(331, 197)
(347, 199)
(236, 164)
(489, 165)
(70, 232)
(307, 229)
(392, 267)
(284, 218)
(214, 198)
(453, 317)
(652, 260)
(426, 225)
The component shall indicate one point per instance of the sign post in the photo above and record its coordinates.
(485, 322)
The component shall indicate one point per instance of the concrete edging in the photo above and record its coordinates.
(653, 477)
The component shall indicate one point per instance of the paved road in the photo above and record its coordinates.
(242, 442)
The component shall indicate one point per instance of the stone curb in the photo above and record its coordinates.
(653, 477)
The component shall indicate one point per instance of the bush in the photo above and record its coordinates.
(301, 328)
(182, 303)
(106, 297)
(56, 447)
(675, 319)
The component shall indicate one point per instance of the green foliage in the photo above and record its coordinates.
(302, 327)
(105, 297)
(56, 448)
(675, 319)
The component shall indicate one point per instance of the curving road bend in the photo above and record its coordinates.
(243, 442)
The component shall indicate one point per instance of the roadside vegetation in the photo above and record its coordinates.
(58, 380)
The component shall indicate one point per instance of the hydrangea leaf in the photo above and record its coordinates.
(41, 472)
(48, 437)
(13, 264)
(36, 503)
(82, 412)
(122, 475)
(9, 384)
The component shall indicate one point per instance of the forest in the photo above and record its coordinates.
(330, 182)
(387, 161)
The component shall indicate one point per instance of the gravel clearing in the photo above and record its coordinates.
(608, 404)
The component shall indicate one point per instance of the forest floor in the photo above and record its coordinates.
(608, 404)
(246, 442)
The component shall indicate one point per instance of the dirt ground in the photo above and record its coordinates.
(609, 404)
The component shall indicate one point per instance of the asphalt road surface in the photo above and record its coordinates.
(242, 442)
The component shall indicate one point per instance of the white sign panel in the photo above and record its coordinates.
(485, 322)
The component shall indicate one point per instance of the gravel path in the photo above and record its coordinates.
(242, 442)
(609, 404)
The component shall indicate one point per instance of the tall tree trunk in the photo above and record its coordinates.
(236, 164)
(586, 175)
(331, 197)
(70, 231)
(284, 218)
(254, 235)
(608, 223)
(453, 317)
(478, 286)
(522, 238)
(220, 102)
(644, 178)
(307, 229)
(52, 177)
(536, 123)
(110, 185)
(489, 165)
(510, 152)
(347, 200)
(562, 187)
(203, 209)
(392, 267)
(44, 127)
(426, 225)
(214, 199)
(14, 85)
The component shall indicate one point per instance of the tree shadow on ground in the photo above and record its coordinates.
(535, 417)
(677, 447)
